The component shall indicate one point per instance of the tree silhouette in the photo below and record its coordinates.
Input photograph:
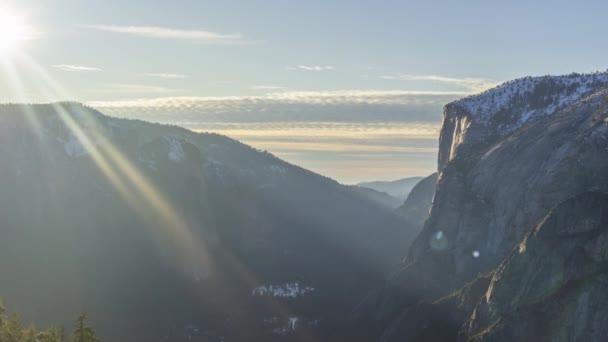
(52, 335)
(83, 332)
(29, 334)
(11, 330)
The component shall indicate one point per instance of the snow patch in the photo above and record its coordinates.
(73, 148)
(562, 91)
(293, 322)
(176, 151)
(278, 170)
(285, 326)
(291, 325)
(289, 290)
(492, 150)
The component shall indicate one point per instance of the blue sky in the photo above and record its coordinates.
(314, 69)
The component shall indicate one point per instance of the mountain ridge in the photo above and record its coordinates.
(399, 188)
(160, 231)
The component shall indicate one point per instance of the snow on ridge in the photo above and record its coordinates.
(73, 148)
(571, 88)
(293, 321)
(291, 325)
(176, 150)
(278, 170)
(284, 327)
(289, 290)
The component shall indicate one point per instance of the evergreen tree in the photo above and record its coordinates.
(29, 334)
(12, 330)
(83, 332)
(3, 318)
(62, 334)
(52, 335)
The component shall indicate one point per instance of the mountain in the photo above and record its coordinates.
(398, 188)
(163, 234)
(416, 207)
(381, 198)
(418, 199)
(511, 249)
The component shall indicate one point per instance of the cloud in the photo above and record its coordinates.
(71, 67)
(337, 147)
(166, 75)
(350, 135)
(470, 83)
(312, 67)
(171, 33)
(138, 89)
(348, 151)
(305, 131)
(267, 87)
(317, 98)
(357, 96)
(338, 106)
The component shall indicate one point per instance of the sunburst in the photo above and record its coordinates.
(14, 31)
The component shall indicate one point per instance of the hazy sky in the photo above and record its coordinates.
(351, 89)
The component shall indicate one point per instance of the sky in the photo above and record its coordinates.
(353, 90)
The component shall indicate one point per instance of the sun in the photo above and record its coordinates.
(14, 31)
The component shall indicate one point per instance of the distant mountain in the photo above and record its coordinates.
(514, 247)
(398, 188)
(381, 198)
(163, 234)
(416, 207)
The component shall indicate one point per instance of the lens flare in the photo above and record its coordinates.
(439, 241)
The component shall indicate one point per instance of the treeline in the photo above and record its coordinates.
(11, 330)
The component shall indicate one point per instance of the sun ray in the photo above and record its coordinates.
(139, 192)
(144, 197)
(16, 85)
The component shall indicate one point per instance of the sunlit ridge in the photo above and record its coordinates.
(140, 193)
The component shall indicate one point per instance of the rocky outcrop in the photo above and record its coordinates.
(507, 157)
(493, 188)
(553, 285)
(439, 320)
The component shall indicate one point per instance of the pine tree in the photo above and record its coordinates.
(29, 334)
(3, 318)
(83, 332)
(62, 334)
(52, 335)
(12, 330)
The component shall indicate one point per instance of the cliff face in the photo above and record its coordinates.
(507, 157)
(509, 161)
(553, 286)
